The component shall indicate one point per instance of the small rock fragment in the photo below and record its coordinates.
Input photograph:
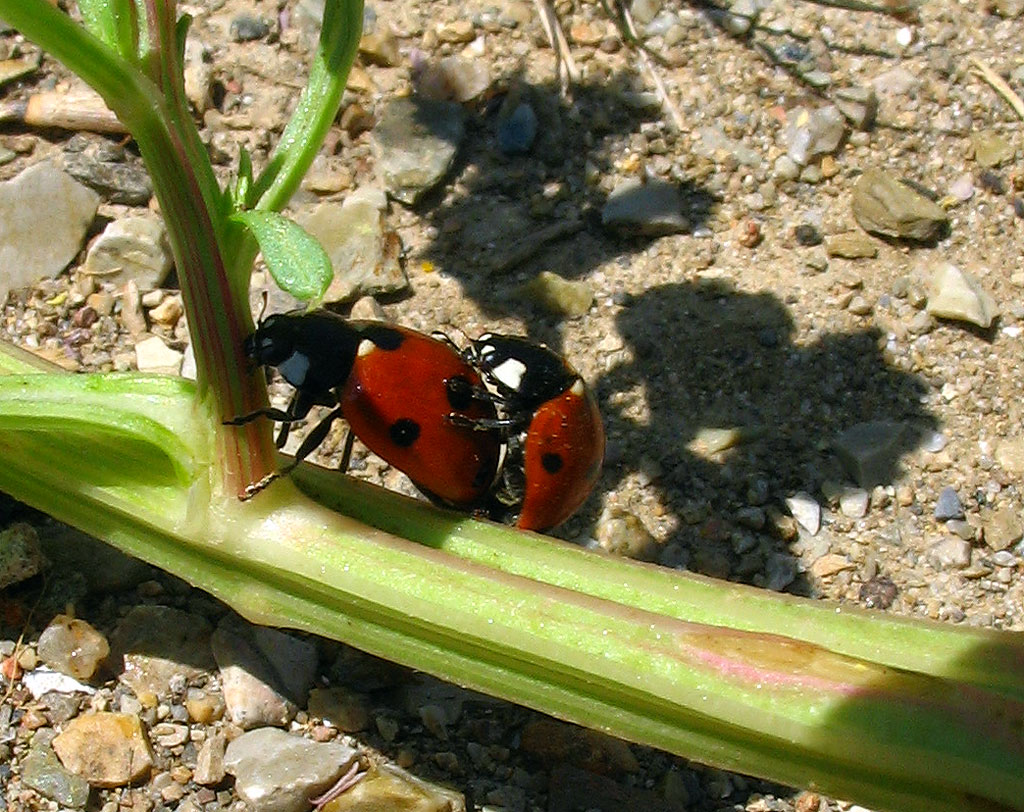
(858, 104)
(948, 505)
(246, 28)
(106, 749)
(622, 533)
(878, 593)
(853, 502)
(560, 296)
(41, 200)
(132, 248)
(72, 646)
(552, 742)
(388, 787)
(278, 772)
(870, 451)
(851, 245)
(20, 554)
(883, 205)
(651, 208)
(950, 553)
(517, 130)
(813, 133)
(340, 707)
(991, 149)
(43, 772)
(955, 294)
(1003, 528)
(806, 510)
(415, 143)
(830, 564)
(210, 768)
(154, 356)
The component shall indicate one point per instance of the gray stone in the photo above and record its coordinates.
(811, 134)
(109, 173)
(948, 505)
(954, 294)
(277, 772)
(44, 216)
(780, 571)
(806, 510)
(265, 674)
(415, 143)
(715, 145)
(245, 28)
(851, 245)
(453, 78)
(870, 451)
(157, 644)
(517, 131)
(991, 149)
(43, 772)
(883, 205)
(858, 104)
(950, 553)
(364, 255)
(897, 81)
(20, 554)
(72, 646)
(653, 208)
(853, 502)
(210, 769)
(132, 248)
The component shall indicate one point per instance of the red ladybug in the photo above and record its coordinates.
(553, 429)
(395, 387)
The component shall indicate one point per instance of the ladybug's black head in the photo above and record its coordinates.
(525, 373)
(272, 342)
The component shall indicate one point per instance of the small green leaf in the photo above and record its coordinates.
(296, 260)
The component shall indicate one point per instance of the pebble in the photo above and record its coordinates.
(950, 553)
(380, 47)
(620, 532)
(388, 787)
(131, 248)
(948, 505)
(106, 749)
(1003, 528)
(644, 11)
(830, 564)
(210, 769)
(858, 104)
(459, 31)
(72, 646)
(1007, 8)
(811, 134)
(198, 74)
(714, 144)
(853, 502)
(415, 143)
(43, 772)
(265, 673)
(870, 452)
(1009, 454)
(41, 681)
(991, 149)
(41, 200)
(851, 245)
(107, 172)
(780, 570)
(158, 644)
(21, 556)
(562, 297)
(955, 294)
(651, 208)
(364, 254)
(962, 189)
(278, 772)
(246, 28)
(883, 205)
(167, 312)
(878, 592)
(152, 355)
(806, 510)
(517, 130)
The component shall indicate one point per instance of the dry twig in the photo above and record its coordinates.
(998, 84)
(566, 68)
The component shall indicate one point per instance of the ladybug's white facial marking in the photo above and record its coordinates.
(510, 373)
(578, 388)
(365, 348)
(294, 369)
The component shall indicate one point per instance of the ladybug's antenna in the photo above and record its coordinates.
(263, 309)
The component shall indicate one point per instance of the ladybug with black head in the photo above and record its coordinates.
(396, 388)
(551, 423)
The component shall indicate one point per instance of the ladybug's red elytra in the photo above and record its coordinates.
(395, 387)
(553, 430)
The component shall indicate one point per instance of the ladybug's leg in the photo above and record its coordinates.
(481, 423)
(312, 440)
(273, 414)
(346, 453)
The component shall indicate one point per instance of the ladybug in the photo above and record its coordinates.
(553, 430)
(397, 389)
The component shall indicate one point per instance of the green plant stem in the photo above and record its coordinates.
(599, 653)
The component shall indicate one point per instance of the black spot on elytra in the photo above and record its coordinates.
(552, 462)
(404, 432)
(384, 337)
(459, 391)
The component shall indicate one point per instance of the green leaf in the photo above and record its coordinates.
(296, 260)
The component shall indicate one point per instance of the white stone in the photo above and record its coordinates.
(806, 511)
(152, 355)
(131, 248)
(954, 294)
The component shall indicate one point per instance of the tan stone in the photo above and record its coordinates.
(106, 749)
